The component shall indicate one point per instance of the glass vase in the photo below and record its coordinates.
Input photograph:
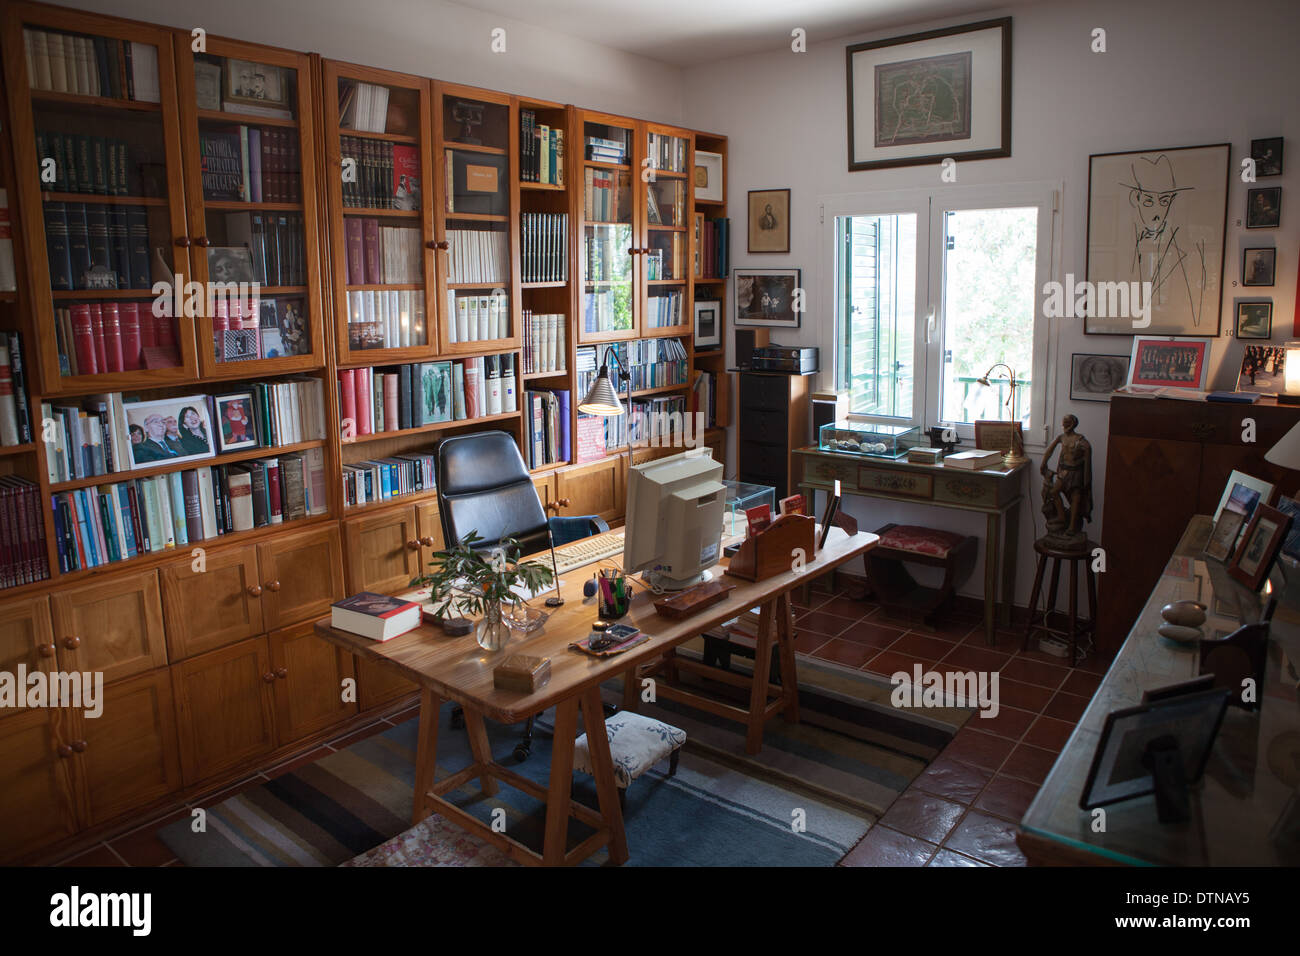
(492, 633)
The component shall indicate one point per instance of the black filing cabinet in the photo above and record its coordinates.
(773, 418)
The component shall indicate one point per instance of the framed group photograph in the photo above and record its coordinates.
(1258, 266)
(1159, 216)
(926, 97)
(1094, 378)
(256, 84)
(1169, 363)
(235, 424)
(1254, 320)
(708, 323)
(1251, 564)
(769, 220)
(767, 297)
(1264, 208)
(708, 176)
(168, 430)
(1263, 370)
(1267, 154)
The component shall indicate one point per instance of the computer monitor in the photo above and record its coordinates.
(674, 519)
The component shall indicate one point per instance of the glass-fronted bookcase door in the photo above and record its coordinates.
(610, 236)
(99, 171)
(250, 166)
(379, 184)
(666, 263)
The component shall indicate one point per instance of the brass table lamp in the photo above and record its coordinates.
(1016, 456)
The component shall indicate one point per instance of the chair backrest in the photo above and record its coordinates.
(483, 486)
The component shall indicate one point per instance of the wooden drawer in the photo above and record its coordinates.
(113, 626)
(309, 682)
(225, 708)
(302, 575)
(36, 802)
(383, 551)
(25, 639)
(595, 488)
(213, 604)
(771, 392)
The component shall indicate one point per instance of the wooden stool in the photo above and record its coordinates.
(1082, 554)
(896, 589)
(636, 743)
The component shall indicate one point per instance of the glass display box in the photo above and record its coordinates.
(868, 438)
(741, 496)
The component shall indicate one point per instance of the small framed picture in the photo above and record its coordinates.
(1169, 363)
(236, 428)
(1254, 320)
(708, 323)
(1264, 536)
(207, 85)
(168, 430)
(1263, 370)
(256, 84)
(1258, 266)
(769, 220)
(708, 177)
(996, 435)
(768, 297)
(230, 264)
(1093, 378)
(1267, 154)
(1264, 208)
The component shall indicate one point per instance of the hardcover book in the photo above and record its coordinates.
(375, 616)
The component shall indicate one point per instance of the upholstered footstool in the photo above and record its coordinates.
(433, 842)
(636, 743)
(900, 544)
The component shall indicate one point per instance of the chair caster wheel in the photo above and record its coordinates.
(457, 719)
(522, 753)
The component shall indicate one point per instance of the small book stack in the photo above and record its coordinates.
(544, 345)
(925, 456)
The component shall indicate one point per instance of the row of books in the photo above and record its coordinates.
(394, 398)
(544, 244)
(268, 328)
(664, 309)
(379, 479)
(84, 164)
(92, 246)
(541, 151)
(386, 320)
(606, 309)
(670, 213)
(478, 318)
(544, 342)
(668, 260)
(601, 149)
(275, 244)
(250, 164)
(599, 434)
(15, 413)
(23, 558)
(712, 255)
(381, 175)
(606, 194)
(546, 425)
(667, 152)
(126, 519)
(363, 106)
(653, 363)
(704, 397)
(382, 255)
(478, 256)
(91, 66)
(98, 337)
(656, 420)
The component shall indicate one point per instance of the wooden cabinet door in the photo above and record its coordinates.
(596, 488)
(383, 551)
(36, 797)
(225, 708)
(111, 626)
(309, 682)
(302, 575)
(429, 524)
(25, 639)
(213, 604)
(129, 755)
(378, 685)
(547, 495)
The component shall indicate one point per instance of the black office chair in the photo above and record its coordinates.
(484, 487)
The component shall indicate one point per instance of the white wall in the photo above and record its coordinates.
(436, 39)
(1176, 73)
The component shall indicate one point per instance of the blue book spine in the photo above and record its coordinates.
(110, 526)
(86, 528)
(60, 536)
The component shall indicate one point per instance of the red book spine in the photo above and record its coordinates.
(392, 421)
(113, 337)
(10, 573)
(97, 332)
(148, 328)
(473, 376)
(273, 491)
(365, 391)
(356, 252)
(370, 236)
(83, 336)
(348, 398)
(129, 317)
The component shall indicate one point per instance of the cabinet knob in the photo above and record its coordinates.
(64, 751)
(202, 241)
(255, 590)
(282, 672)
(45, 650)
(269, 677)
(633, 252)
(79, 746)
(182, 241)
(426, 542)
(274, 585)
(413, 545)
(72, 642)
(431, 244)
(443, 244)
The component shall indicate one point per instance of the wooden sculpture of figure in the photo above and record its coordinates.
(1067, 489)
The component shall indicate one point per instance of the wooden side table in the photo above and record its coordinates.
(1082, 554)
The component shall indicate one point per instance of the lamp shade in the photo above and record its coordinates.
(601, 398)
(1293, 368)
(1287, 451)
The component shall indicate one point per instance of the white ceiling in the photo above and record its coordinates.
(684, 32)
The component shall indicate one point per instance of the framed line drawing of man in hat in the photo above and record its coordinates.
(1157, 218)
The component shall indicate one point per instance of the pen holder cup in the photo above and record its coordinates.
(613, 596)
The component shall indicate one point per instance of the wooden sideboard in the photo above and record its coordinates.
(1167, 460)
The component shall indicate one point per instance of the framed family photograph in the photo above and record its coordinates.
(708, 176)
(1094, 378)
(256, 84)
(768, 297)
(1267, 154)
(1258, 266)
(1264, 208)
(708, 323)
(926, 97)
(168, 430)
(1254, 320)
(1263, 370)
(236, 428)
(1159, 216)
(1169, 363)
(1253, 560)
(769, 220)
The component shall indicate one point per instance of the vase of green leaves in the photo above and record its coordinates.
(465, 581)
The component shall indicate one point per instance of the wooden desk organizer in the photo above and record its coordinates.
(771, 551)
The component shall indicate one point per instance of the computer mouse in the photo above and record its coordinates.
(589, 587)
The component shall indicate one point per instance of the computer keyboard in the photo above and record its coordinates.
(588, 550)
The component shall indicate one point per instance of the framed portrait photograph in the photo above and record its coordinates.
(1264, 207)
(926, 97)
(1169, 363)
(767, 297)
(1263, 370)
(1259, 546)
(168, 430)
(1159, 216)
(1258, 266)
(769, 220)
(230, 264)
(1094, 378)
(1254, 320)
(256, 84)
(708, 323)
(436, 381)
(708, 177)
(236, 427)
(1232, 517)
(1267, 154)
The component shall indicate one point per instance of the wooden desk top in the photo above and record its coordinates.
(457, 668)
